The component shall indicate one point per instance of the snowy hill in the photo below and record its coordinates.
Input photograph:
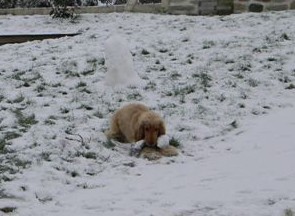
(224, 85)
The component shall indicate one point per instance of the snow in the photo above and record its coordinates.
(119, 62)
(163, 141)
(223, 84)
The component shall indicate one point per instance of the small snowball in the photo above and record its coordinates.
(163, 141)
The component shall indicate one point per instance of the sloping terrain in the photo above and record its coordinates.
(209, 77)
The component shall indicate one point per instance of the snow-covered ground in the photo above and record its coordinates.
(224, 85)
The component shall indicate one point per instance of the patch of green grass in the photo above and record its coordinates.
(49, 122)
(253, 82)
(204, 79)
(241, 105)
(8, 209)
(244, 67)
(157, 62)
(88, 155)
(285, 79)
(88, 72)
(108, 144)
(71, 74)
(182, 99)
(207, 44)
(189, 61)
(289, 212)
(40, 88)
(271, 59)
(64, 110)
(21, 163)
(183, 91)
(35, 77)
(27, 121)
(81, 84)
(13, 165)
(11, 135)
(74, 174)
(291, 86)
(52, 117)
(5, 178)
(19, 99)
(85, 90)
(6, 138)
(56, 85)
(45, 156)
(163, 50)
(24, 121)
(101, 61)
(18, 75)
(1, 98)
(92, 66)
(86, 107)
(162, 68)
(98, 114)
(284, 36)
(239, 76)
(174, 142)
(134, 96)
(150, 86)
(92, 61)
(175, 75)
(145, 52)
(3, 143)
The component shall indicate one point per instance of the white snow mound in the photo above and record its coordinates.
(119, 62)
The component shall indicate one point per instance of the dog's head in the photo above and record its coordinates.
(150, 129)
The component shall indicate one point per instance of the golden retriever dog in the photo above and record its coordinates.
(135, 122)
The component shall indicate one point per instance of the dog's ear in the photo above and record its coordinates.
(162, 129)
(140, 131)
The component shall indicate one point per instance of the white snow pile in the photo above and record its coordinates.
(119, 62)
(224, 85)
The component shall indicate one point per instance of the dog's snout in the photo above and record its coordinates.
(151, 137)
(151, 144)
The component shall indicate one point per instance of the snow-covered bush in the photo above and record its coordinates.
(7, 3)
(60, 9)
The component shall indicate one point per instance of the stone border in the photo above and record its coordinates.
(181, 7)
(140, 8)
(263, 5)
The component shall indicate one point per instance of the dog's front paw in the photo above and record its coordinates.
(169, 151)
(150, 153)
(152, 156)
(136, 148)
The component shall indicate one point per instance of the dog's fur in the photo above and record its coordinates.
(136, 122)
(156, 153)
